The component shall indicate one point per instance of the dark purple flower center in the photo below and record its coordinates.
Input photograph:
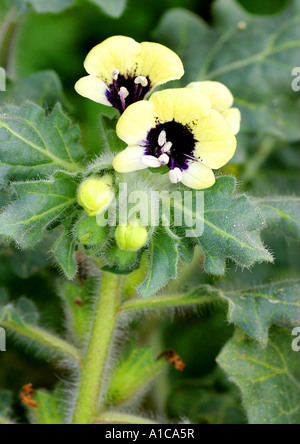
(179, 144)
(124, 90)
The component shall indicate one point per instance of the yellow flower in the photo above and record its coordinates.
(96, 194)
(131, 237)
(221, 100)
(177, 128)
(122, 71)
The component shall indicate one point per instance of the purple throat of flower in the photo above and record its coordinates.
(126, 90)
(172, 144)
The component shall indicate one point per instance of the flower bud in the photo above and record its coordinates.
(96, 194)
(132, 237)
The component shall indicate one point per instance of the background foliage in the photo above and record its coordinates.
(255, 62)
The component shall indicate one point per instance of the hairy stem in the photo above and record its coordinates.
(171, 301)
(43, 338)
(121, 418)
(94, 362)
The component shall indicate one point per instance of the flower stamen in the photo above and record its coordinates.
(175, 175)
(116, 74)
(167, 147)
(162, 139)
(164, 159)
(151, 162)
(141, 80)
(123, 93)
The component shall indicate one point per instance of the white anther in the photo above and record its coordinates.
(167, 146)
(141, 80)
(151, 161)
(124, 92)
(175, 175)
(116, 74)
(164, 159)
(162, 139)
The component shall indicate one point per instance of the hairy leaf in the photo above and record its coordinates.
(254, 56)
(49, 410)
(132, 374)
(53, 6)
(33, 145)
(37, 205)
(163, 263)
(64, 250)
(282, 214)
(257, 309)
(268, 378)
(43, 88)
(231, 227)
(114, 8)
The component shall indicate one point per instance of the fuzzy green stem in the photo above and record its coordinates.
(171, 301)
(96, 356)
(121, 418)
(43, 338)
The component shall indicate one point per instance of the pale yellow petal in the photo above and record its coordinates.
(216, 141)
(233, 118)
(129, 160)
(136, 122)
(183, 105)
(159, 63)
(198, 176)
(219, 95)
(114, 53)
(93, 88)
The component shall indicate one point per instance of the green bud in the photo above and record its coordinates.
(132, 237)
(96, 194)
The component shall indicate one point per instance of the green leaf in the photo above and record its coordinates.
(268, 378)
(49, 408)
(37, 205)
(64, 250)
(4, 198)
(254, 56)
(282, 215)
(132, 374)
(78, 304)
(25, 264)
(209, 400)
(43, 88)
(33, 145)
(114, 8)
(257, 309)
(163, 263)
(231, 227)
(52, 6)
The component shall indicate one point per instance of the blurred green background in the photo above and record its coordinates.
(60, 43)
